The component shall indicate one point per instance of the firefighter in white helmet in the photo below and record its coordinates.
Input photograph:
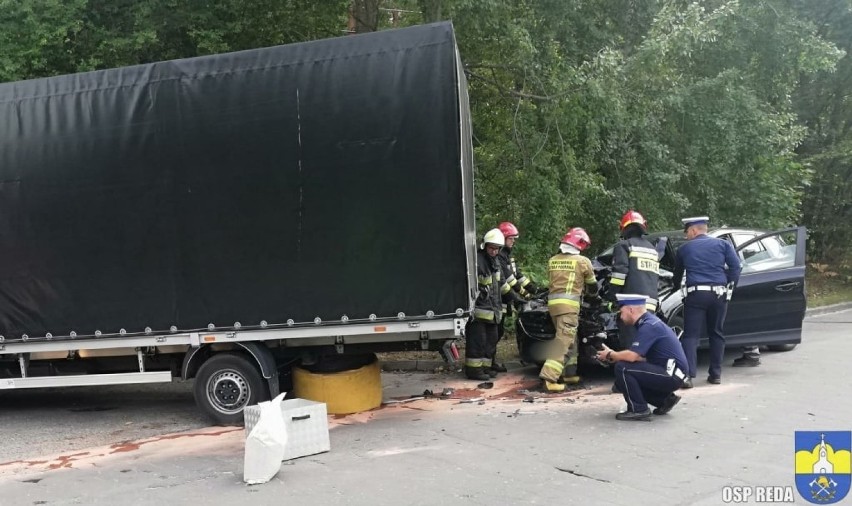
(481, 332)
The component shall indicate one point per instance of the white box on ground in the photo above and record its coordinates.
(306, 425)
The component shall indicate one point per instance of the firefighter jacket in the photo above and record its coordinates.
(516, 279)
(635, 269)
(488, 307)
(570, 277)
(509, 286)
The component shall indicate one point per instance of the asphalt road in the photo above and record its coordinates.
(106, 445)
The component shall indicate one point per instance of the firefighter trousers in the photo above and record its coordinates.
(562, 353)
(480, 337)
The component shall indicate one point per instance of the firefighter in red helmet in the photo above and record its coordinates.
(635, 269)
(571, 276)
(518, 285)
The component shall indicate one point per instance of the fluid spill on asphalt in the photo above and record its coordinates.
(129, 446)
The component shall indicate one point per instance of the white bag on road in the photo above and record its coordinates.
(265, 444)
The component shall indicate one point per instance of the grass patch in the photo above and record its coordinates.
(828, 284)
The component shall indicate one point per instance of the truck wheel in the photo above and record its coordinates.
(782, 347)
(225, 384)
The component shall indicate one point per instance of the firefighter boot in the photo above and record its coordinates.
(498, 367)
(569, 374)
(571, 380)
(552, 386)
(476, 373)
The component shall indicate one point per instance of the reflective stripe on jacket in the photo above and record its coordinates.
(570, 277)
(635, 269)
(488, 305)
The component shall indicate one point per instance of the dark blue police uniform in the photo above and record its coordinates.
(712, 269)
(662, 372)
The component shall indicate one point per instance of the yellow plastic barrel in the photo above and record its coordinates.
(343, 392)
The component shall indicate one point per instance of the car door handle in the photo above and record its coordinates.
(786, 287)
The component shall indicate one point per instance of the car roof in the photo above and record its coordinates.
(714, 232)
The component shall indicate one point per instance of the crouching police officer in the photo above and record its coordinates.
(654, 366)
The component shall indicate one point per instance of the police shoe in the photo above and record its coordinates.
(667, 405)
(747, 361)
(687, 384)
(631, 416)
(714, 380)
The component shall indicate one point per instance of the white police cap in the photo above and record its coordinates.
(630, 299)
(695, 220)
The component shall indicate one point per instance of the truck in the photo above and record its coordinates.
(223, 218)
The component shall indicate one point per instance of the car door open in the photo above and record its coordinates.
(769, 303)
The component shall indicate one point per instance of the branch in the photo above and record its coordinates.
(518, 94)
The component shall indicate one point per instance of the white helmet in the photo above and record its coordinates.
(494, 236)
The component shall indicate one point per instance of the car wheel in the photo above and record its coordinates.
(676, 323)
(782, 347)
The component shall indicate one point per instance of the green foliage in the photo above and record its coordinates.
(40, 38)
(822, 103)
(581, 109)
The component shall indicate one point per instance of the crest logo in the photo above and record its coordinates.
(823, 465)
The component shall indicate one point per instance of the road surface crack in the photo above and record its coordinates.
(581, 475)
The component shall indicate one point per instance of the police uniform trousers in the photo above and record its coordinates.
(704, 309)
(642, 383)
(480, 338)
(561, 358)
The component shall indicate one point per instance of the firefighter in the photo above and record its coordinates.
(571, 275)
(712, 270)
(635, 269)
(481, 333)
(518, 287)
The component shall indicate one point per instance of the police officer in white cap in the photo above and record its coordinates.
(653, 368)
(712, 269)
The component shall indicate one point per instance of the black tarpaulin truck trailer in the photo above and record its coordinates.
(277, 204)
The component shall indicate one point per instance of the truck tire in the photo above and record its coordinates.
(225, 384)
(782, 347)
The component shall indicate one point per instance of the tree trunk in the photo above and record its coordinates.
(364, 16)
(430, 9)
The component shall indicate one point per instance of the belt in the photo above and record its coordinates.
(717, 289)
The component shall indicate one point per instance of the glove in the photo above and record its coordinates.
(531, 287)
(593, 300)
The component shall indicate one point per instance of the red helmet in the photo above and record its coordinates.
(508, 229)
(578, 238)
(632, 216)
